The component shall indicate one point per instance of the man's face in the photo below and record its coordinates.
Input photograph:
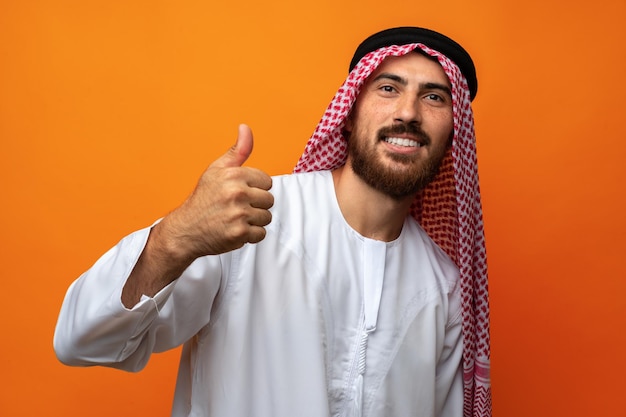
(401, 125)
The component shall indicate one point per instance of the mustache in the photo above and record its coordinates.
(404, 128)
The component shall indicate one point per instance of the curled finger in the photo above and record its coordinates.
(256, 234)
(261, 199)
(260, 217)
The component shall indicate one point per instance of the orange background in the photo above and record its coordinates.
(110, 110)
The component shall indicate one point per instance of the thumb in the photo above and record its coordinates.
(240, 151)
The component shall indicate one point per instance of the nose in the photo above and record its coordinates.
(408, 109)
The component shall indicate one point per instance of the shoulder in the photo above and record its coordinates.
(301, 201)
(300, 182)
(301, 191)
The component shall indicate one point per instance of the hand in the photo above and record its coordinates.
(227, 209)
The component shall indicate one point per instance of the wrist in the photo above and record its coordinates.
(168, 249)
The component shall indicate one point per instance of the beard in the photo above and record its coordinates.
(408, 175)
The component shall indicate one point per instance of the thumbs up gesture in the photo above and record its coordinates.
(228, 208)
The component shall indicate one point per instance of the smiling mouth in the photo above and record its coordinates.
(409, 143)
(406, 135)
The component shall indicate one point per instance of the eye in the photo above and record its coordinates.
(434, 97)
(387, 88)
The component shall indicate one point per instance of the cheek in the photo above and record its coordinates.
(443, 127)
(449, 133)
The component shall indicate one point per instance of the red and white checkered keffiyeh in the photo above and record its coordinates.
(449, 209)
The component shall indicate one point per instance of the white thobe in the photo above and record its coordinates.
(277, 329)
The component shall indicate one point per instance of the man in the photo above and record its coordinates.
(318, 293)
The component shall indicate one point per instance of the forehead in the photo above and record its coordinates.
(413, 66)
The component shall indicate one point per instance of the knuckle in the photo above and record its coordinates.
(236, 195)
(231, 173)
(236, 231)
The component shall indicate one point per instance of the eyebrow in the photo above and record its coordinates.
(437, 86)
(403, 81)
(392, 77)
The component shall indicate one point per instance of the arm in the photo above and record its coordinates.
(127, 304)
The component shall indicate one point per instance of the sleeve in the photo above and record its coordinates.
(94, 327)
(449, 381)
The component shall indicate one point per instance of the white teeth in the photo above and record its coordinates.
(402, 142)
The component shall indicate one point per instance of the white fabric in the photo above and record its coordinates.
(274, 329)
